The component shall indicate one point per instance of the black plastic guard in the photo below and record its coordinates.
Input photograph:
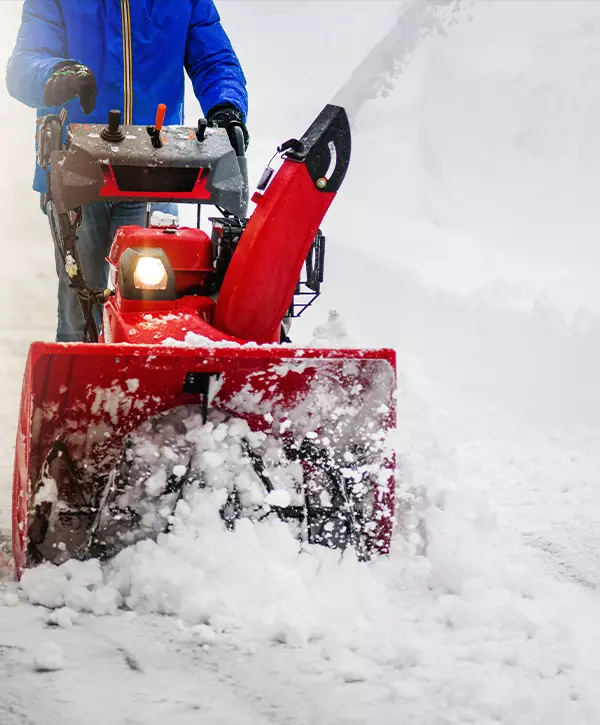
(325, 149)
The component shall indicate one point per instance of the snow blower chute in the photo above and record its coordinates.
(193, 322)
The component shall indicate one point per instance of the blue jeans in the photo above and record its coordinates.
(101, 219)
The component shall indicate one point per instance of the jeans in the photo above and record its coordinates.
(101, 219)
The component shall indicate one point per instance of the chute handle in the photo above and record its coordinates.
(161, 112)
(154, 131)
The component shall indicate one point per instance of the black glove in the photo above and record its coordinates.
(71, 80)
(227, 116)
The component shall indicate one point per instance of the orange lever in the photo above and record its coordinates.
(160, 116)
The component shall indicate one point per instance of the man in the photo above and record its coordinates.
(90, 56)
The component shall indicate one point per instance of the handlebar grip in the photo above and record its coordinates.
(238, 141)
(161, 112)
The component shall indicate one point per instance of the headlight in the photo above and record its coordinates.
(146, 274)
(150, 273)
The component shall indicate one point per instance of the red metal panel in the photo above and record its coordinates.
(111, 190)
(148, 322)
(188, 249)
(264, 271)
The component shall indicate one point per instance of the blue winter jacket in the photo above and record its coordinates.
(137, 49)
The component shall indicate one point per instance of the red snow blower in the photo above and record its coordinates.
(195, 320)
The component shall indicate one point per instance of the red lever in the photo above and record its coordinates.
(160, 116)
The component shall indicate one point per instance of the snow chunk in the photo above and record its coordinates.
(204, 635)
(332, 333)
(192, 339)
(212, 459)
(9, 599)
(65, 617)
(47, 492)
(132, 384)
(106, 601)
(351, 667)
(49, 657)
(157, 483)
(6, 566)
(279, 498)
(45, 585)
(161, 219)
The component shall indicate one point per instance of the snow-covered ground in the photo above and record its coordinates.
(465, 236)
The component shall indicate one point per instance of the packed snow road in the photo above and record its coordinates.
(465, 236)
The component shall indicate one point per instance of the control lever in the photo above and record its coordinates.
(201, 130)
(113, 133)
(154, 131)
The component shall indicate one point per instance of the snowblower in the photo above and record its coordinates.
(192, 321)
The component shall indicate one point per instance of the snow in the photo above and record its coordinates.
(160, 219)
(465, 237)
(133, 385)
(48, 491)
(470, 626)
(193, 339)
(9, 599)
(64, 617)
(332, 333)
(49, 657)
(279, 497)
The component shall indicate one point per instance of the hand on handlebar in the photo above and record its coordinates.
(71, 80)
(227, 116)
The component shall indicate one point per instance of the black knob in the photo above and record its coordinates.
(114, 121)
(201, 131)
(113, 133)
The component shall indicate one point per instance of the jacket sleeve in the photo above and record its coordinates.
(210, 61)
(40, 46)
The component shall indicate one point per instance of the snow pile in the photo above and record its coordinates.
(256, 579)
(253, 581)
(76, 585)
(467, 629)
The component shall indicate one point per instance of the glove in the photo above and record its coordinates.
(71, 80)
(227, 116)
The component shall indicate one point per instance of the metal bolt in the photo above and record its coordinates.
(322, 183)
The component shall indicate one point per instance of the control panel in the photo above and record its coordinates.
(166, 163)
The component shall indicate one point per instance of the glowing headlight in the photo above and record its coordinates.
(150, 273)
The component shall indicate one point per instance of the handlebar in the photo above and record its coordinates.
(238, 141)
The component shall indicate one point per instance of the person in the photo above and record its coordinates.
(90, 56)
